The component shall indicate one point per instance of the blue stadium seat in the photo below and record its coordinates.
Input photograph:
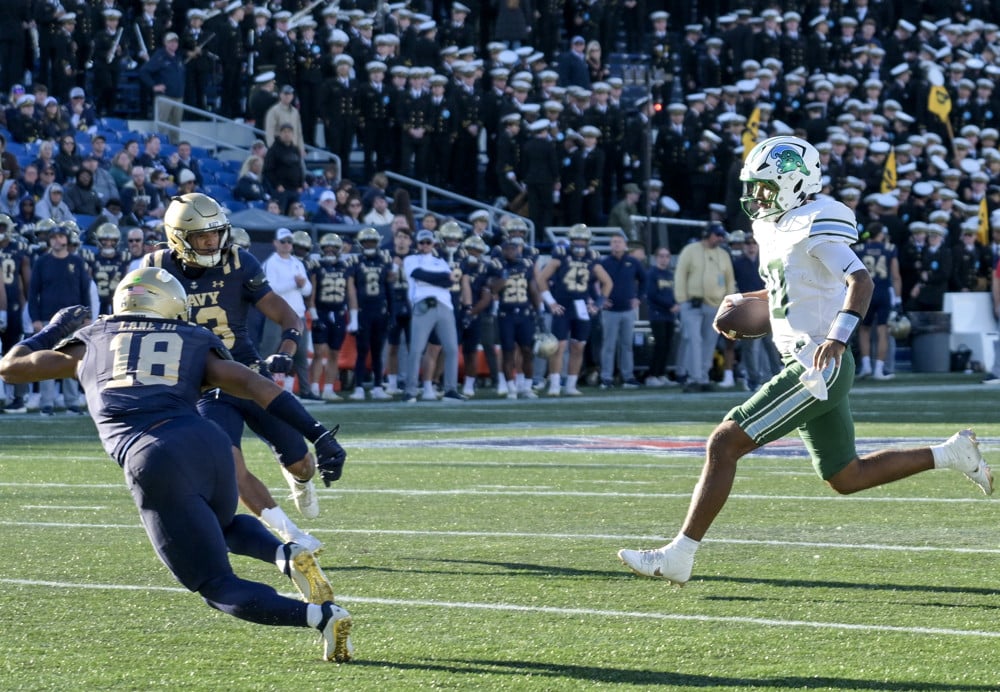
(84, 221)
(220, 192)
(234, 206)
(225, 178)
(115, 124)
(232, 165)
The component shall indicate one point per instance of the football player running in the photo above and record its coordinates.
(222, 282)
(817, 289)
(143, 369)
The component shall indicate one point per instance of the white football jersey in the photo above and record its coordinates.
(803, 293)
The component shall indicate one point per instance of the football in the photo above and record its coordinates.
(750, 319)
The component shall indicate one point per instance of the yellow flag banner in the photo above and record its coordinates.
(889, 172)
(984, 223)
(939, 102)
(751, 132)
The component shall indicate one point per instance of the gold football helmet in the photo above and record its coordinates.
(6, 226)
(450, 230)
(546, 344)
(475, 244)
(331, 240)
(150, 292)
(108, 232)
(239, 237)
(369, 239)
(579, 231)
(302, 240)
(190, 214)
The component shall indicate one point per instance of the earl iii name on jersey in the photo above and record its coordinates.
(220, 296)
(788, 248)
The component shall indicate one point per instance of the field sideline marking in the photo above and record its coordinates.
(550, 610)
(561, 536)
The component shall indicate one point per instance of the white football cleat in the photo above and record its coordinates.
(662, 563)
(336, 630)
(572, 391)
(300, 565)
(962, 453)
(380, 394)
(358, 395)
(303, 495)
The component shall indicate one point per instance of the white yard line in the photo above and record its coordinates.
(568, 612)
(526, 535)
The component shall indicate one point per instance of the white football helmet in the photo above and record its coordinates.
(779, 174)
(546, 344)
(195, 213)
(150, 292)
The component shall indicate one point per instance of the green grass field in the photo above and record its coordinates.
(475, 548)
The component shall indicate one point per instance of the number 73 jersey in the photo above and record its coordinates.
(804, 295)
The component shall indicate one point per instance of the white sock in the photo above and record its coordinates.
(684, 544)
(866, 363)
(501, 380)
(275, 519)
(470, 382)
(519, 380)
(327, 389)
(393, 380)
(571, 381)
(554, 379)
(314, 615)
(314, 388)
(879, 367)
(941, 459)
(429, 386)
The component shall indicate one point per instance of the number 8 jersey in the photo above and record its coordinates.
(220, 297)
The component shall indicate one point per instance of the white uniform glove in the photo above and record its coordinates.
(352, 325)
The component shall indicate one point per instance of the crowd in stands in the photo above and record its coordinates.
(898, 98)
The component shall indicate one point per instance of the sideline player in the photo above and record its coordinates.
(222, 282)
(143, 369)
(818, 289)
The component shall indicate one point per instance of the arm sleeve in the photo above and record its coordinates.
(838, 258)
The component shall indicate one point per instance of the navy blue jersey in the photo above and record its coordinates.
(571, 280)
(57, 283)
(399, 287)
(107, 272)
(219, 297)
(11, 260)
(519, 274)
(371, 279)
(329, 276)
(138, 372)
(454, 256)
(480, 271)
(877, 257)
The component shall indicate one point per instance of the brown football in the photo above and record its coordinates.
(748, 320)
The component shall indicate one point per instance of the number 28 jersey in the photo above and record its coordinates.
(220, 297)
(804, 295)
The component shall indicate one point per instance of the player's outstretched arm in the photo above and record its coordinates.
(239, 380)
(34, 360)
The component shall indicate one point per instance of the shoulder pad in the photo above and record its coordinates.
(222, 352)
(834, 219)
(257, 282)
(558, 252)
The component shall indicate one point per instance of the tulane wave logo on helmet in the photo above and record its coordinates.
(789, 160)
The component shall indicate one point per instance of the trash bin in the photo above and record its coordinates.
(930, 332)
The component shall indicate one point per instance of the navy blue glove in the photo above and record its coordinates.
(330, 456)
(279, 363)
(62, 324)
